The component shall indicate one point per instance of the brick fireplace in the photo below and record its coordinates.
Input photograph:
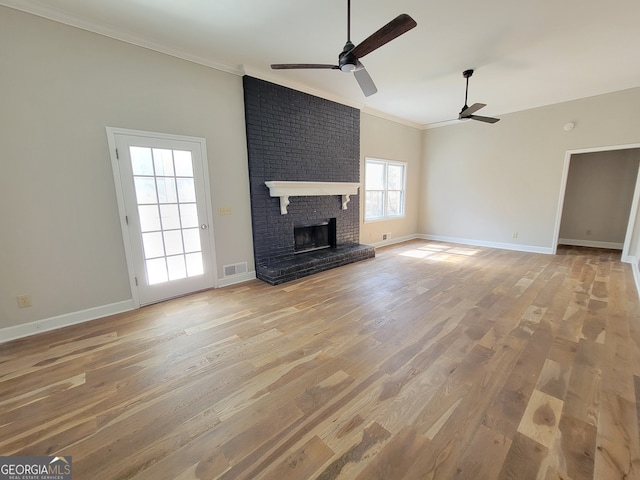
(308, 150)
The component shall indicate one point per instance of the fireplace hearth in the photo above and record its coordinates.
(292, 267)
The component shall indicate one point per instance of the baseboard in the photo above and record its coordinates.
(393, 241)
(481, 243)
(26, 329)
(233, 279)
(589, 243)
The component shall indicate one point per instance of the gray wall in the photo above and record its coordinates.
(598, 197)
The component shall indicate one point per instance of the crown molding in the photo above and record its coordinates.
(50, 13)
(55, 15)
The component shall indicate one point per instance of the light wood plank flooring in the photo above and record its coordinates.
(431, 361)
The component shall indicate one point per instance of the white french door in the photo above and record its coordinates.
(163, 196)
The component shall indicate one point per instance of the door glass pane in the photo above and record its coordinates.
(184, 164)
(167, 190)
(152, 244)
(141, 162)
(189, 215)
(168, 213)
(170, 216)
(176, 266)
(145, 190)
(186, 190)
(173, 242)
(194, 264)
(157, 271)
(191, 240)
(163, 161)
(149, 217)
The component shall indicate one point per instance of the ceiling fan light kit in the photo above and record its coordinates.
(349, 58)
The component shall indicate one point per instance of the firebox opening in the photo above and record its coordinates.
(314, 235)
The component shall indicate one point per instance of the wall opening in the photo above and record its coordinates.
(599, 198)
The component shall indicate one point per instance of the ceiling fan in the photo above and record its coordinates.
(467, 112)
(349, 58)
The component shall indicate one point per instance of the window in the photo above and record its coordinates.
(384, 189)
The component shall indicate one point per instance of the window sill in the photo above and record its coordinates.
(383, 219)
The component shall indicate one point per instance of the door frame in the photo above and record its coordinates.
(634, 204)
(111, 139)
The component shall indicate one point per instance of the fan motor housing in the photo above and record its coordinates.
(347, 61)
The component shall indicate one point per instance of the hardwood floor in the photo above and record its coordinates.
(431, 361)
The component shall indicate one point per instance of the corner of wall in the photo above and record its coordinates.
(635, 268)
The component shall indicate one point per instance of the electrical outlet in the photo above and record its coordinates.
(24, 301)
(515, 234)
(386, 236)
(225, 211)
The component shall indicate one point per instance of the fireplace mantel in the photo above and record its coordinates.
(284, 190)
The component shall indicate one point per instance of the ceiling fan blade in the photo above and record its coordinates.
(364, 80)
(466, 112)
(396, 27)
(480, 118)
(291, 66)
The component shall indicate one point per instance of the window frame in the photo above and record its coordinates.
(385, 192)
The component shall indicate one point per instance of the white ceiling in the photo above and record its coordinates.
(526, 53)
